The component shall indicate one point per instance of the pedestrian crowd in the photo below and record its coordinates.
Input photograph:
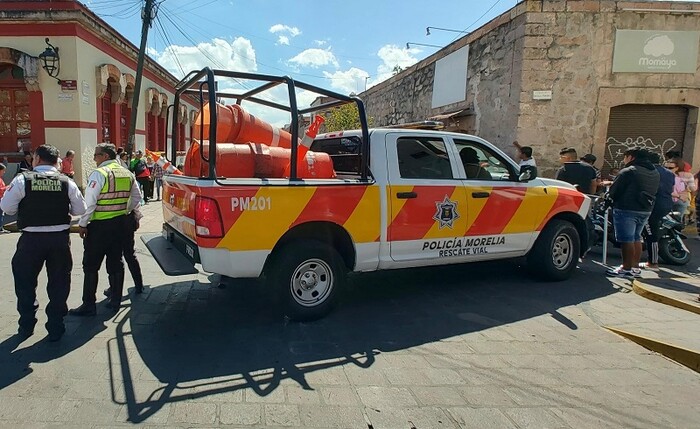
(44, 197)
(641, 194)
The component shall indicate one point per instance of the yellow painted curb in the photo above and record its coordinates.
(687, 357)
(640, 290)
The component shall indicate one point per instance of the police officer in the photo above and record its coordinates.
(131, 224)
(111, 193)
(43, 199)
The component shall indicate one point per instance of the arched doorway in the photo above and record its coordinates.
(15, 124)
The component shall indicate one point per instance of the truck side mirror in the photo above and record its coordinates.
(525, 175)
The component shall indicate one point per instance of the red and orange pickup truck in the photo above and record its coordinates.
(363, 200)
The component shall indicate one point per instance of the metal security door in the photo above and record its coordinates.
(659, 128)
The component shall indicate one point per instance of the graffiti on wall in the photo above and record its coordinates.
(616, 149)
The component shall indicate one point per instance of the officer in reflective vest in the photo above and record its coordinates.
(44, 201)
(111, 193)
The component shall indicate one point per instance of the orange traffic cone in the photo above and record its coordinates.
(304, 164)
(165, 165)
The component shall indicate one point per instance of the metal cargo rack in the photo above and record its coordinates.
(202, 84)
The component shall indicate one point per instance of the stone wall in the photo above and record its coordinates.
(568, 49)
(493, 87)
(565, 46)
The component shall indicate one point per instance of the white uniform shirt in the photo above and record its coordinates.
(95, 183)
(530, 161)
(15, 192)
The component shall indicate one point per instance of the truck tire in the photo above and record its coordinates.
(307, 275)
(556, 251)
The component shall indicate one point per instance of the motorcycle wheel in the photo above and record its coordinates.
(671, 252)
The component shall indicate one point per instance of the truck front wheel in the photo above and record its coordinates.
(307, 274)
(556, 251)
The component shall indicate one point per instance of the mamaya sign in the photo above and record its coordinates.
(642, 51)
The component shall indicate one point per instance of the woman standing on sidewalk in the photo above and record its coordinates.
(157, 174)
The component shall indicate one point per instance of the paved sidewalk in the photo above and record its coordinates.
(474, 346)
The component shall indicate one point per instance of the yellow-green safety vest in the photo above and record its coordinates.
(114, 195)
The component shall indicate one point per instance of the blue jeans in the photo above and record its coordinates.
(629, 224)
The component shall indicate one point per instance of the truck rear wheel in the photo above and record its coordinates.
(556, 251)
(307, 275)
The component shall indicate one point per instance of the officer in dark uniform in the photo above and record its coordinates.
(111, 193)
(44, 201)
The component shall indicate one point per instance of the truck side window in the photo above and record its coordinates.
(481, 163)
(423, 158)
(344, 152)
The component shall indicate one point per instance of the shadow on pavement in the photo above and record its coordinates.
(207, 340)
(16, 362)
(675, 284)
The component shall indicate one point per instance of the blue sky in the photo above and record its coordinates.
(334, 44)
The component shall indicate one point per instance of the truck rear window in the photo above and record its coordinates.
(344, 151)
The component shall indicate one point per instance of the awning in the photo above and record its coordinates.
(448, 115)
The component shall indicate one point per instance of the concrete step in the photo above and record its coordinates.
(675, 339)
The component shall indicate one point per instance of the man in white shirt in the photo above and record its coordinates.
(111, 193)
(44, 201)
(527, 162)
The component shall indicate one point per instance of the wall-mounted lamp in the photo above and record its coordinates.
(421, 44)
(50, 61)
(427, 30)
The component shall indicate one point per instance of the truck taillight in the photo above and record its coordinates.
(207, 218)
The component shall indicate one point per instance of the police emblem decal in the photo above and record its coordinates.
(446, 212)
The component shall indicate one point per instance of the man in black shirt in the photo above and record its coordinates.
(633, 194)
(573, 171)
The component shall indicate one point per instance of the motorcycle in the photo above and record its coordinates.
(672, 249)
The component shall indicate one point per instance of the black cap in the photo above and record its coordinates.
(589, 158)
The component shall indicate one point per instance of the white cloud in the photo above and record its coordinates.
(392, 56)
(236, 55)
(320, 42)
(283, 40)
(345, 82)
(314, 58)
(281, 28)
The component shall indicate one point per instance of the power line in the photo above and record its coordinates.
(478, 19)
(169, 45)
(214, 61)
(196, 29)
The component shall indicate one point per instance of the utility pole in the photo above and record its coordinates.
(147, 15)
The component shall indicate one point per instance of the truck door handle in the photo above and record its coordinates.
(481, 194)
(406, 195)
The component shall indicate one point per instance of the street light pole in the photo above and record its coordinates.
(421, 44)
(147, 16)
(427, 30)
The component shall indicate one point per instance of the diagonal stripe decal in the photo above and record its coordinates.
(260, 229)
(567, 201)
(332, 204)
(364, 222)
(536, 204)
(475, 205)
(415, 218)
(500, 207)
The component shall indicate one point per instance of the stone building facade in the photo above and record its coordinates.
(543, 73)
